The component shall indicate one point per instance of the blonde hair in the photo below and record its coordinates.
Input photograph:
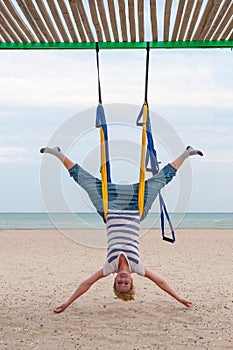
(126, 296)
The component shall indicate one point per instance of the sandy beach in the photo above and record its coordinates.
(40, 269)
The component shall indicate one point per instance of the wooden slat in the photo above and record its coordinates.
(103, 17)
(167, 18)
(8, 30)
(121, 4)
(204, 19)
(178, 19)
(186, 17)
(227, 31)
(58, 21)
(231, 36)
(194, 19)
(48, 21)
(85, 21)
(77, 20)
(210, 20)
(30, 21)
(66, 16)
(112, 13)
(132, 20)
(153, 18)
(95, 20)
(21, 24)
(5, 35)
(36, 16)
(223, 24)
(141, 19)
(4, 11)
(218, 19)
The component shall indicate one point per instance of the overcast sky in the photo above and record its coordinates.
(191, 91)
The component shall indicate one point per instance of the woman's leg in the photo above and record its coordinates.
(190, 151)
(56, 151)
(159, 180)
(88, 182)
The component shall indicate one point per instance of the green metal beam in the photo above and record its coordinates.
(205, 44)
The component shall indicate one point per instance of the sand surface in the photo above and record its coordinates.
(39, 269)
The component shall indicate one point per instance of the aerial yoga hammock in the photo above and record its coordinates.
(148, 154)
(122, 207)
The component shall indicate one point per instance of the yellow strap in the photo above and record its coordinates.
(104, 173)
(142, 177)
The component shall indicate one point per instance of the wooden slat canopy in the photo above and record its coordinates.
(73, 24)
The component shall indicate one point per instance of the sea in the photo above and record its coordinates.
(42, 221)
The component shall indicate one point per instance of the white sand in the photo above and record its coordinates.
(40, 269)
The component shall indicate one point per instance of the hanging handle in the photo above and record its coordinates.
(168, 239)
(163, 210)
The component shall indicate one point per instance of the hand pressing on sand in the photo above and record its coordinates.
(60, 309)
(186, 302)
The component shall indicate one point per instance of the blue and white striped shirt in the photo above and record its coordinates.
(123, 227)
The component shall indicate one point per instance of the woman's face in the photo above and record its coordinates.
(123, 282)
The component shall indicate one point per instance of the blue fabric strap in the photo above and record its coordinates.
(151, 155)
(101, 123)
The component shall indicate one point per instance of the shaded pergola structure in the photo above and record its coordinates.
(79, 24)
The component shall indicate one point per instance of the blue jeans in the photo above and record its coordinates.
(122, 197)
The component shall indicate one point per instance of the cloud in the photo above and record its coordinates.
(192, 80)
(11, 150)
(15, 160)
(46, 79)
(177, 78)
(13, 154)
(5, 160)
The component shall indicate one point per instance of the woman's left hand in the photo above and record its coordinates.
(60, 309)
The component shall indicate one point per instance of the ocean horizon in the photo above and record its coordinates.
(43, 220)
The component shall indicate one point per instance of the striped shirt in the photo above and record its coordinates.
(123, 227)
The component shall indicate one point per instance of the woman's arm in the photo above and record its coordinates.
(164, 286)
(84, 286)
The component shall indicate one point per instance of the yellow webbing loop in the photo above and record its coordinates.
(104, 173)
(142, 176)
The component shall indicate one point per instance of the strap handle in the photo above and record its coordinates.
(163, 210)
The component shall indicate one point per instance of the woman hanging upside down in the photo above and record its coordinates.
(123, 226)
